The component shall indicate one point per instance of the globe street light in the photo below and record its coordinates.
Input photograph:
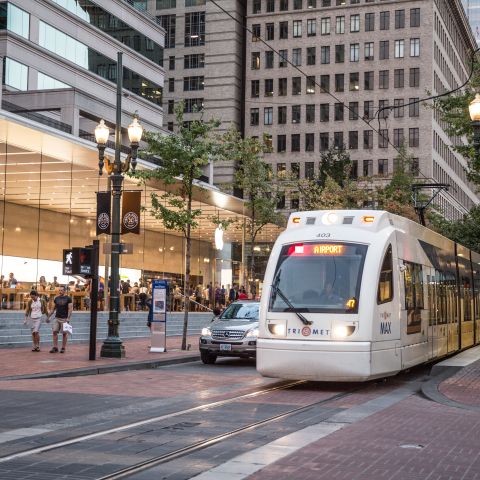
(474, 109)
(112, 345)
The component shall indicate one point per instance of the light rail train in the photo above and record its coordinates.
(352, 295)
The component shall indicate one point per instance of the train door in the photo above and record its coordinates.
(476, 295)
(452, 312)
(465, 298)
(432, 312)
(441, 329)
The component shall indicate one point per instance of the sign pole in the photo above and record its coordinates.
(94, 301)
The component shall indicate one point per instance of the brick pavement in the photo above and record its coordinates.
(22, 361)
(464, 386)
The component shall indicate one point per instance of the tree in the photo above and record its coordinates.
(254, 177)
(183, 157)
(453, 111)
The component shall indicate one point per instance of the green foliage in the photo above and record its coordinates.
(453, 111)
(335, 164)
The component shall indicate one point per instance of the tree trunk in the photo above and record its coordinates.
(187, 280)
(252, 260)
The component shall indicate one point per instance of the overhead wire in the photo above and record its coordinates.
(322, 90)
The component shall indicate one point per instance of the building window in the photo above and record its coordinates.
(193, 105)
(283, 58)
(384, 49)
(193, 83)
(325, 26)
(338, 141)
(297, 4)
(339, 53)
(399, 78)
(399, 48)
(383, 167)
(268, 115)
(296, 85)
(171, 63)
(270, 6)
(170, 126)
(369, 22)
(383, 77)
(295, 142)
(368, 51)
(283, 30)
(384, 20)
(310, 113)
(282, 115)
(282, 87)
(414, 107)
(368, 81)
(325, 54)
(339, 82)
(399, 18)
(255, 88)
(367, 168)
(340, 25)
(414, 17)
(281, 145)
(383, 110)
(255, 65)
(325, 83)
(270, 31)
(311, 55)
(256, 33)
(383, 138)
(297, 56)
(338, 112)
(269, 59)
(297, 28)
(309, 170)
(324, 112)
(354, 23)
(367, 139)
(268, 85)
(194, 29)
(353, 140)
(398, 111)
(368, 111)
(256, 6)
(311, 27)
(171, 107)
(324, 141)
(398, 137)
(16, 74)
(413, 137)
(168, 22)
(354, 169)
(196, 60)
(283, 5)
(353, 111)
(164, 4)
(171, 84)
(254, 116)
(296, 113)
(354, 52)
(414, 77)
(310, 84)
(309, 142)
(354, 82)
(414, 47)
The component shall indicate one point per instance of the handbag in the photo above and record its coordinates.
(67, 328)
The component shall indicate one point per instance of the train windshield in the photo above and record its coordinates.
(318, 277)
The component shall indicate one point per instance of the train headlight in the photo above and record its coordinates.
(277, 329)
(343, 331)
(329, 218)
(206, 332)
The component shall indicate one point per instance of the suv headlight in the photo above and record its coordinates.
(206, 332)
(253, 332)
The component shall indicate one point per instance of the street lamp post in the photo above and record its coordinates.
(112, 345)
(474, 109)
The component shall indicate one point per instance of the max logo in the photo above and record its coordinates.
(385, 328)
(385, 315)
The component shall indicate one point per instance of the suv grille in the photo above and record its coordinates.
(228, 334)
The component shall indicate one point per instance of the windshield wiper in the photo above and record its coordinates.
(278, 292)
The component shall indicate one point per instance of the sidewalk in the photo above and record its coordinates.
(21, 361)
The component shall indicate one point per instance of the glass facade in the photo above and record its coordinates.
(14, 20)
(472, 8)
(44, 82)
(113, 26)
(15, 74)
(67, 47)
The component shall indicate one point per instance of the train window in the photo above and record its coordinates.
(318, 278)
(413, 277)
(385, 283)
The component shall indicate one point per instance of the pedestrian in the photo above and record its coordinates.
(63, 308)
(232, 294)
(36, 307)
(150, 312)
(242, 294)
(143, 290)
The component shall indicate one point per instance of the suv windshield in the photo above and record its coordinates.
(319, 277)
(241, 311)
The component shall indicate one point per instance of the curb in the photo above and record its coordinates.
(77, 372)
(430, 388)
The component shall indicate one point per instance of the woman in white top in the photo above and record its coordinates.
(36, 307)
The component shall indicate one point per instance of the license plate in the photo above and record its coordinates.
(225, 347)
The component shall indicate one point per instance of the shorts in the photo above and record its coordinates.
(57, 326)
(35, 324)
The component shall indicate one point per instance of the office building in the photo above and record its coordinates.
(472, 9)
(338, 64)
